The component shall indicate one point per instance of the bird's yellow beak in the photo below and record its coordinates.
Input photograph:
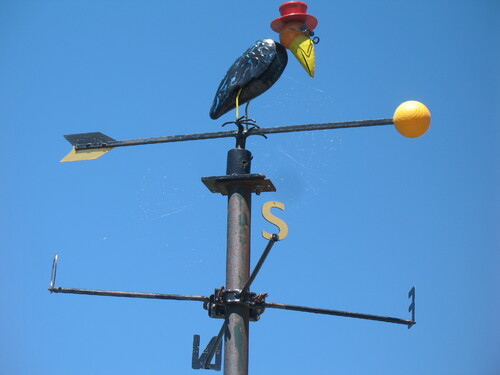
(302, 48)
(299, 44)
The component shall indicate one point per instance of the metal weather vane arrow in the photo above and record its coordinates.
(88, 146)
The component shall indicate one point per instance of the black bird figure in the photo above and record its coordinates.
(261, 65)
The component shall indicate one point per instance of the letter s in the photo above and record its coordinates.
(266, 213)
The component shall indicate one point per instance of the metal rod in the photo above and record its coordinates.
(178, 297)
(339, 313)
(233, 133)
(206, 365)
(171, 138)
(323, 126)
(261, 261)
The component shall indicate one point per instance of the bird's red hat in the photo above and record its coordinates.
(294, 11)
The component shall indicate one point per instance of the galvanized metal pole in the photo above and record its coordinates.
(237, 264)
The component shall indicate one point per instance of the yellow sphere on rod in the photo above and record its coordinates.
(412, 119)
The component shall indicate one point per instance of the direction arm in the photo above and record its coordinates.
(87, 146)
(315, 310)
(108, 293)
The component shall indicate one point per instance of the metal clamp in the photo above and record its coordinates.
(216, 305)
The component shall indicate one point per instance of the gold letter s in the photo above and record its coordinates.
(266, 213)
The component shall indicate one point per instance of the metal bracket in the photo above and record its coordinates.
(216, 305)
(257, 183)
(204, 361)
(411, 308)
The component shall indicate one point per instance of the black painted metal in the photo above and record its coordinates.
(93, 140)
(239, 161)
(315, 310)
(108, 293)
(411, 308)
(255, 182)
(214, 347)
(89, 139)
(222, 297)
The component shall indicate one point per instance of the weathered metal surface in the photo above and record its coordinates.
(255, 183)
(108, 293)
(239, 162)
(237, 273)
(222, 297)
(237, 268)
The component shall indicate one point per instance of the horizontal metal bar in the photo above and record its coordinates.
(178, 297)
(234, 133)
(323, 126)
(339, 313)
(171, 138)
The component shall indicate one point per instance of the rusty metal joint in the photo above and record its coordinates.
(217, 302)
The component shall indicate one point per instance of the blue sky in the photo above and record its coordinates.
(370, 213)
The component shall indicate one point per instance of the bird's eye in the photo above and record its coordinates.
(303, 28)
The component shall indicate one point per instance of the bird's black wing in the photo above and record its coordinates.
(255, 71)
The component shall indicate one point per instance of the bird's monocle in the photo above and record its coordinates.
(261, 65)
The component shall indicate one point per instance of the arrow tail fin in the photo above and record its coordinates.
(96, 143)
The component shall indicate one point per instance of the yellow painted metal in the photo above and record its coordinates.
(412, 119)
(78, 155)
(303, 49)
(266, 213)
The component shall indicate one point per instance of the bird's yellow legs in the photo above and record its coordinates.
(238, 103)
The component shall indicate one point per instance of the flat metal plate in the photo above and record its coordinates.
(95, 139)
(91, 154)
(257, 183)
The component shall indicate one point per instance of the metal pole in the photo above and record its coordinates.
(237, 264)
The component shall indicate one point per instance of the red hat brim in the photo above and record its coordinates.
(310, 21)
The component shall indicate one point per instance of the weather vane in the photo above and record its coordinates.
(254, 72)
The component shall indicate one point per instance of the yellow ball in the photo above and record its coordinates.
(412, 119)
